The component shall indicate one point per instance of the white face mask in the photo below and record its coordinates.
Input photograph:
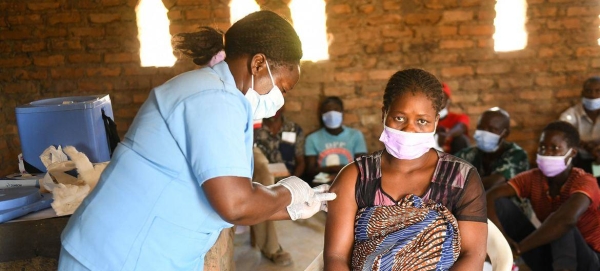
(444, 112)
(591, 104)
(487, 141)
(265, 106)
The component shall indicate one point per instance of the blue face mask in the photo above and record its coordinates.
(487, 141)
(332, 119)
(591, 104)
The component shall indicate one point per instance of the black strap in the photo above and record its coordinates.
(111, 132)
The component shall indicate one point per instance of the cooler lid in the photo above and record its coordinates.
(64, 103)
(19, 196)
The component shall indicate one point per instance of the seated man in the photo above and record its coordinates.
(330, 148)
(496, 160)
(585, 117)
(453, 128)
(282, 141)
(564, 198)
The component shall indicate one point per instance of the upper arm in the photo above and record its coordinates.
(471, 205)
(299, 149)
(569, 116)
(513, 163)
(573, 208)
(214, 144)
(473, 243)
(339, 228)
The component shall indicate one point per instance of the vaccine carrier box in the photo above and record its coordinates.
(68, 121)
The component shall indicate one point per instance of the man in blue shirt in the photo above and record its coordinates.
(332, 147)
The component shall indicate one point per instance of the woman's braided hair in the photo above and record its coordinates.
(259, 32)
(414, 80)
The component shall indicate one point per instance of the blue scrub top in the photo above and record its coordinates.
(148, 211)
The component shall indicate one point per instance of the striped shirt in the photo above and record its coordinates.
(533, 185)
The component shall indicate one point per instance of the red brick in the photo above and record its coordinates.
(25, 87)
(198, 13)
(108, 44)
(86, 31)
(568, 93)
(544, 11)
(15, 62)
(66, 73)
(112, 3)
(457, 15)
(84, 58)
(486, 15)
(550, 38)
(193, 2)
(476, 84)
(447, 30)
(348, 76)
(128, 30)
(582, 11)
(222, 13)
(120, 58)
(340, 9)
(485, 43)
(391, 5)
(550, 81)
(52, 60)
(476, 30)
(536, 94)
(381, 74)
(24, 19)
(175, 15)
(367, 9)
(137, 70)
(493, 68)
(338, 90)
(456, 44)
(42, 6)
(127, 83)
(34, 46)
(511, 82)
(443, 58)
(35, 74)
(50, 32)
(596, 63)
(15, 34)
(104, 18)
(376, 20)
(392, 46)
(64, 18)
(428, 18)
(94, 85)
(139, 98)
(568, 23)
(103, 71)
(566, 66)
(588, 51)
(61, 44)
(457, 71)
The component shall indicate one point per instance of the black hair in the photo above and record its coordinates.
(332, 99)
(593, 79)
(571, 133)
(259, 32)
(414, 80)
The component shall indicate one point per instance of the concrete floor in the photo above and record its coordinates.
(302, 239)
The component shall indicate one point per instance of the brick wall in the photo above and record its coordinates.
(56, 48)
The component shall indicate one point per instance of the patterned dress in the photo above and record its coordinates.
(415, 233)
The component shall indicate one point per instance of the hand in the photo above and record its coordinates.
(442, 134)
(514, 246)
(317, 203)
(299, 189)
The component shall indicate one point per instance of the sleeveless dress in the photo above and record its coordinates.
(415, 233)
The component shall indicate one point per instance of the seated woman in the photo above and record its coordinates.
(564, 198)
(408, 207)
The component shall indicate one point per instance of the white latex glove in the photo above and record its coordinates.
(300, 190)
(318, 202)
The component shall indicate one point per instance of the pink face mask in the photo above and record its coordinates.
(407, 146)
(553, 165)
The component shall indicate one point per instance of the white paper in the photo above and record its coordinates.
(288, 137)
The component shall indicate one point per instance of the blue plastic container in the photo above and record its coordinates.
(66, 121)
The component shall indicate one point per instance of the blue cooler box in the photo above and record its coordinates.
(66, 121)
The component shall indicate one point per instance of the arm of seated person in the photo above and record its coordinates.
(493, 180)
(457, 130)
(472, 225)
(339, 228)
(300, 166)
(558, 223)
(473, 242)
(241, 202)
